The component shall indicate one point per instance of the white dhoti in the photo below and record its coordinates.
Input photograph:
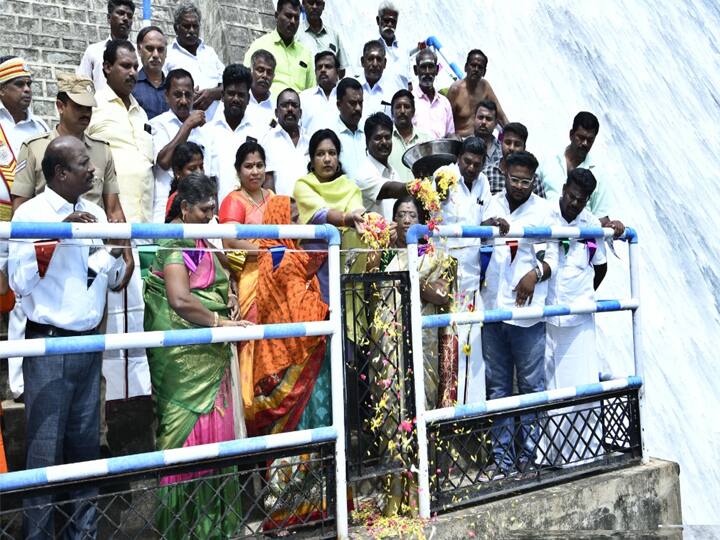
(571, 360)
(126, 371)
(471, 367)
(16, 330)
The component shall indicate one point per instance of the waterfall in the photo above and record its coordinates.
(650, 71)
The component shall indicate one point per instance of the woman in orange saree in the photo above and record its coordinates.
(246, 205)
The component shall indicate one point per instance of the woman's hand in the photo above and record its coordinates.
(234, 306)
(229, 322)
(393, 226)
(358, 221)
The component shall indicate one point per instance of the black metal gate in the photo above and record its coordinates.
(378, 374)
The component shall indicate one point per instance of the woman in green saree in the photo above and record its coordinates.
(188, 288)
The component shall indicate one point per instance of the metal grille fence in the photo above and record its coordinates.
(567, 439)
(244, 497)
(378, 382)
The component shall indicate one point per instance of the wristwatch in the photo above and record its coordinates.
(538, 273)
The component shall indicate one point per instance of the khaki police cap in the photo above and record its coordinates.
(79, 89)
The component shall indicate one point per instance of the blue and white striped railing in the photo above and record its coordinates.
(530, 400)
(331, 328)
(170, 338)
(418, 232)
(20, 230)
(149, 461)
(418, 322)
(525, 313)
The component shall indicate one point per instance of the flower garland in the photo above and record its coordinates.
(377, 231)
(432, 191)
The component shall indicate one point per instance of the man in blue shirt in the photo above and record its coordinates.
(150, 87)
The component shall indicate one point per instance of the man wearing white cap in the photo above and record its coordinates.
(17, 123)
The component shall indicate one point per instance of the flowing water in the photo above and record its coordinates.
(651, 72)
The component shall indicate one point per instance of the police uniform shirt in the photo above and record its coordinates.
(29, 178)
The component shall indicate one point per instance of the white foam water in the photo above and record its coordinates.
(650, 70)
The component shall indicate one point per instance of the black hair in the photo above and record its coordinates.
(373, 44)
(319, 136)
(348, 83)
(112, 4)
(236, 74)
(323, 54)
(195, 188)
(277, 101)
(262, 54)
(374, 122)
(488, 104)
(181, 156)
(63, 97)
(586, 120)
(584, 179)
(145, 31)
(409, 199)
(473, 52)
(53, 157)
(7, 57)
(293, 3)
(473, 145)
(522, 159)
(402, 93)
(247, 148)
(111, 49)
(176, 75)
(518, 129)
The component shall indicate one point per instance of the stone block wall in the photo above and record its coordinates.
(51, 35)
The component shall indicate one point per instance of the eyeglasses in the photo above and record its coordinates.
(522, 182)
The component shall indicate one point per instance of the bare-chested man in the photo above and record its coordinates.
(465, 94)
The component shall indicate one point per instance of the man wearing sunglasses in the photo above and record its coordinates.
(515, 278)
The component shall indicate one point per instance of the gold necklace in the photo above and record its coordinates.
(249, 196)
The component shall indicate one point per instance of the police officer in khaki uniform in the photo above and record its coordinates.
(75, 100)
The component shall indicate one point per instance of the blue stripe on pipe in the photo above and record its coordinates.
(40, 230)
(592, 232)
(324, 434)
(75, 345)
(157, 230)
(553, 311)
(135, 462)
(194, 336)
(285, 330)
(630, 235)
(498, 315)
(536, 398)
(22, 479)
(477, 231)
(257, 231)
(456, 69)
(243, 446)
(331, 235)
(537, 232)
(608, 305)
(416, 233)
(437, 321)
(432, 41)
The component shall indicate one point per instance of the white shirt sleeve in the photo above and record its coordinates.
(22, 266)
(85, 69)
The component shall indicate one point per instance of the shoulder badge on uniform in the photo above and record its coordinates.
(20, 166)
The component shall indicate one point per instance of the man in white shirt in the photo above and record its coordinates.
(570, 348)
(347, 126)
(405, 135)
(63, 285)
(170, 129)
(260, 110)
(516, 277)
(320, 103)
(464, 205)
(398, 58)
(190, 53)
(120, 17)
(17, 124)
(222, 136)
(554, 171)
(378, 88)
(379, 183)
(286, 146)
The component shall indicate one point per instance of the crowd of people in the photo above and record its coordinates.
(164, 132)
